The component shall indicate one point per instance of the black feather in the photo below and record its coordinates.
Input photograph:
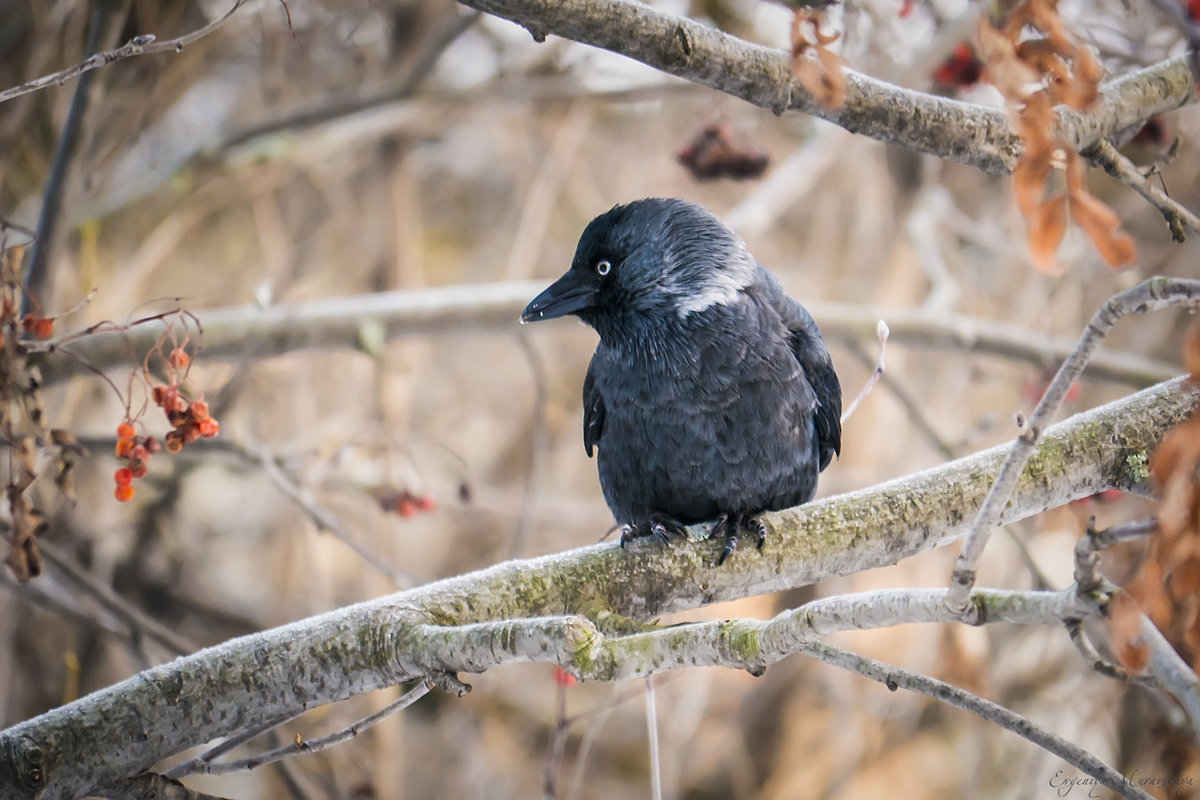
(711, 393)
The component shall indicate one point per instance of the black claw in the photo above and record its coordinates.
(660, 526)
(628, 534)
(730, 525)
(759, 529)
(730, 546)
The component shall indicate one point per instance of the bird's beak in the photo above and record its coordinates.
(569, 294)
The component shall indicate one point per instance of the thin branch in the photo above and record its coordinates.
(538, 444)
(142, 45)
(200, 762)
(652, 739)
(56, 182)
(881, 331)
(300, 745)
(1151, 295)
(964, 132)
(895, 678)
(1172, 672)
(1103, 154)
(251, 330)
(130, 615)
(431, 49)
(325, 520)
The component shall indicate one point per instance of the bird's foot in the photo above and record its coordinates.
(660, 526)
(730, 525)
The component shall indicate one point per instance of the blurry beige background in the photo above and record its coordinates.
(196, 179)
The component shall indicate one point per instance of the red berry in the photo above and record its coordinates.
(199, 410)
(123, 447)
(123, 493)
(152, 445)
(405, 507)
(159, 394)
(138, 470)
(123, 476)
(173, 441)
(139, 453)
(125, 431)
(178, 358)
(425, 502)
(43, 328)
(208, 427)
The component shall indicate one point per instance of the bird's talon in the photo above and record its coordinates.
(730, 547)
(759, 528)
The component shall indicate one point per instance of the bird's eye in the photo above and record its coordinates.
(603, 267)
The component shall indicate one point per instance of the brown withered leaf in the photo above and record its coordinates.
(1047, 226)
(821, 76)
(1102, 226)
(1029, 184)
(1124, 626)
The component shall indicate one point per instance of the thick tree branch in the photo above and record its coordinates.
(124, 730)
(255, 331)
(964, 132)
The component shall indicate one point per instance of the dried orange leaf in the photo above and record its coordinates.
(1047, 225)
(1102, 226)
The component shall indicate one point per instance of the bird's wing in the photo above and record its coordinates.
(593, 410)
(809, 349)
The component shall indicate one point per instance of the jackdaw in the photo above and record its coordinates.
(711, 395)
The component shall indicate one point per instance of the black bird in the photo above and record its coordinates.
(711, 395)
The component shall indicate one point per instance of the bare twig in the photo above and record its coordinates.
(200, 762)
(142, 45)
(652, 739)
(1150, 295)
(56, 182)
(1087, 549)
(314, 745)
(129, 614)
(326, 520)
(895, 678)
(431, 49)
(1177, 216)
(537, 444)
(337, 322)
(881, 331)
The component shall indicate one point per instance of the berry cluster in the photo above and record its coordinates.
(403, 502)
(136, 451)
(189, 421)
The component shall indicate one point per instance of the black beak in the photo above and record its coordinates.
(570, 294)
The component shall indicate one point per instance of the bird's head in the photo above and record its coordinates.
(648, 264)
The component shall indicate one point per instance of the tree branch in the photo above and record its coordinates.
(137, 46)
(124, 730)
(1151, 295)
(257, 331)
(963, 132)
